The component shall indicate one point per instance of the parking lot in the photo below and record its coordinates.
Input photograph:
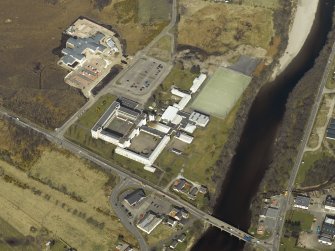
(142, 76)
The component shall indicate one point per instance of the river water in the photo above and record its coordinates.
(253, 153)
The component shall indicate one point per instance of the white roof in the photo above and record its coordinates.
(330, 220)
(199, 118)
(177, 120)
(183, 102)
(197, 82)
(170, 113)
(161, 127)
(178, 93)
(149, 223)
(185, 138)
(190, 128)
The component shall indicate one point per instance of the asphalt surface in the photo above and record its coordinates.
(122, 214)
(286, 205)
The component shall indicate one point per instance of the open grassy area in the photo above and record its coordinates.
(289, 244)
(160, 233)
(198, 166)
(221, 92)
(80, 133)
(304, 217)
(45, 198)
(162, 49)
(154, 10)
(271, 4)
(217, 27)
(307, 162)
(180, 77)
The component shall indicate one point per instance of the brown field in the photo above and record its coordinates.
(31, 84)
(217, 27)
(40, 205)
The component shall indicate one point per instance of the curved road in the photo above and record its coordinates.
(120, 212)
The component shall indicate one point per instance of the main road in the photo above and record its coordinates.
(286, 205)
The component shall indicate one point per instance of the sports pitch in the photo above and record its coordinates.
(221, 92)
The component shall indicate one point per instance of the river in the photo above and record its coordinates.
(253, 153)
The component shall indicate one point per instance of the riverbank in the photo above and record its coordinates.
(300, 28)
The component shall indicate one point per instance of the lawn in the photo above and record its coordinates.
(160, 233)
(307, 162)
(162, 49)
(80, 133)
(289, 245)
(153, 10)
(198, 166)
(86, 225)
(271, 4)
(8, 232)
(180, 77)
(221, 92)
(304, 217)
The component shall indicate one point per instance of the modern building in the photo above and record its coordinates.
(170, 114)
(184, 137)
(135, 197)
(302, 202)
(149, 222)
(197, 82)
(199, 119)
(330, 203)
(119, 125)
(77, 47)
(327, 232)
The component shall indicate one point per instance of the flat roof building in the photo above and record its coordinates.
(197, 82)
(199, 119)
(135, 197)
(330, 203)
(169, 114)
(302, 202)
(149, 222)
(327, 232)
(330, 133)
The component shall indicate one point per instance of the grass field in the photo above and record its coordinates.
(162, 49)
(308, 161)
(80, 133)
(271, 4)
(160, 233)
(221, 92)
(154, 10)
(219, 27)
(26, 202)
(304, 217)
(198, 166)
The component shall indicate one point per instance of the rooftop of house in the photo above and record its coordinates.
(302, 200)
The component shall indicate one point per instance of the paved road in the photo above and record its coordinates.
(287, 203)
(120, 212)
(117, 170)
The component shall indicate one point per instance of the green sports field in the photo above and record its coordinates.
(221, 92)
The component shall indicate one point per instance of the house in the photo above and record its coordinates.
(135, 197)
(172, 222)
(330, 133)
(173, 244)
(302, 202)
(193, 193)
(179, 185)
(179, 213)
(330, 203)
(181, 237)
(327, 232)
(203, 189)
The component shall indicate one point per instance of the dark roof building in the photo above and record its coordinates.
(330, 203)
(75, 48)
(135, 197)
(302, 202)
(331, 129)
(328, 227)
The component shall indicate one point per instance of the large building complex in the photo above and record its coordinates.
(89, 54)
